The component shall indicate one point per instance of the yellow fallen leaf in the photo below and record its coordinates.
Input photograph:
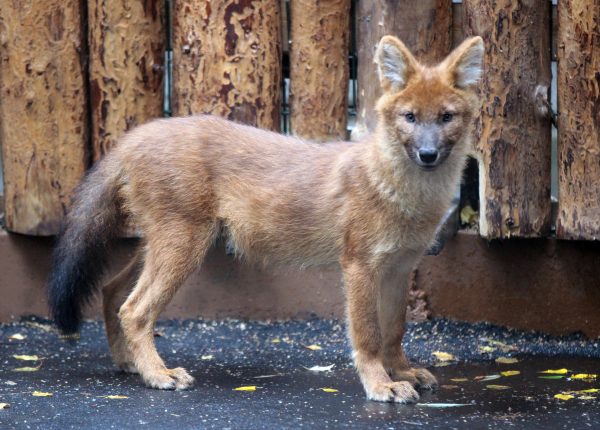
(563, 396)
(497, 387)
(584, 376)
(16, 336)
(506, 360)
(41, 394)
(206, 357)
(115, 397)
(26, 357)
(26, 369)
(486, 349)
(586, 397)
(329, 390)
(246, 388)
(4, 405)
(276, 340)
(443, 356)
(555, 371)
(510, 373)
(314, 347)
(459, 379)
(589, 390)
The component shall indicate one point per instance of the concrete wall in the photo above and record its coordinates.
(546, 285)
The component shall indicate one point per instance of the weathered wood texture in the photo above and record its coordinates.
(43, 111)
(127, 41)
(425, 26)
(227, 60)
(319, 68)
(579, 119)
(513, 132)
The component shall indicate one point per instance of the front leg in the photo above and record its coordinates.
(392, 303)
(362, 282)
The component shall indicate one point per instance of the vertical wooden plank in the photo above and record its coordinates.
(127, 42)
(319, 68)
(579, 120)
(43, 111)
(513, 129)
(227, 60)
(425, 26)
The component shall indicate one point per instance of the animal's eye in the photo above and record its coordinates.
(447, 117)
(410, 117)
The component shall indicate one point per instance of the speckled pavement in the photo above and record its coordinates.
(273, 357)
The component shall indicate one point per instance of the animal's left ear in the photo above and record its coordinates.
(465, 63)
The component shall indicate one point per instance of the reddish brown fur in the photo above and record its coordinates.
(280, 200)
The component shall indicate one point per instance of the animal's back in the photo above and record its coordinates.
(279, 199)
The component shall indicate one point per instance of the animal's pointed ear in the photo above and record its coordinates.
(465, 63)
(395, 64)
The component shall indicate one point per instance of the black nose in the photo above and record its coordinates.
(428, 156)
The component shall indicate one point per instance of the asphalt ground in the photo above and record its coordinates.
(74, 380)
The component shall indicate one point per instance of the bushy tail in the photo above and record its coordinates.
(80, 255)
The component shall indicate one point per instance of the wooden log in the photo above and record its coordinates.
(425, 26)
(319, 68)
(127, 42)
(514, 128)
(227, 60)
(43, 111)
(579, 120)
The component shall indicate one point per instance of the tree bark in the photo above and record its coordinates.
(425, 26)
(227, 60)
(43, 111)
(514, 128)
(579, 120)
(319, 68)
(127, 42)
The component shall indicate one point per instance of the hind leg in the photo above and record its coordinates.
(114, 294)
(172, 252)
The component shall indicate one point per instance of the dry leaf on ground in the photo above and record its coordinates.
(497, 387)
(26, 357)
(17, 336)
(115, 397)
(584, 376)
(329, 390)
(510, 373)
(314, 347)
(506, 360)
(41, 394)
(556, 371)
(4, 405)
(443, 356)
(459, 379)
(246, 388)
(320, 368)
(563, 396)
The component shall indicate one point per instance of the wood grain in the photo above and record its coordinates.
(319, 68)
(425, 26)
(579, 120)
(227, 60)
(127, 42)
(43, 111)
(513, 132)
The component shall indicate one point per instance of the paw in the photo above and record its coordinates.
(169, 379)
(417, 377)
(397, 392)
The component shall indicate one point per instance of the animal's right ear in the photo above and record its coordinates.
(395, 64)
